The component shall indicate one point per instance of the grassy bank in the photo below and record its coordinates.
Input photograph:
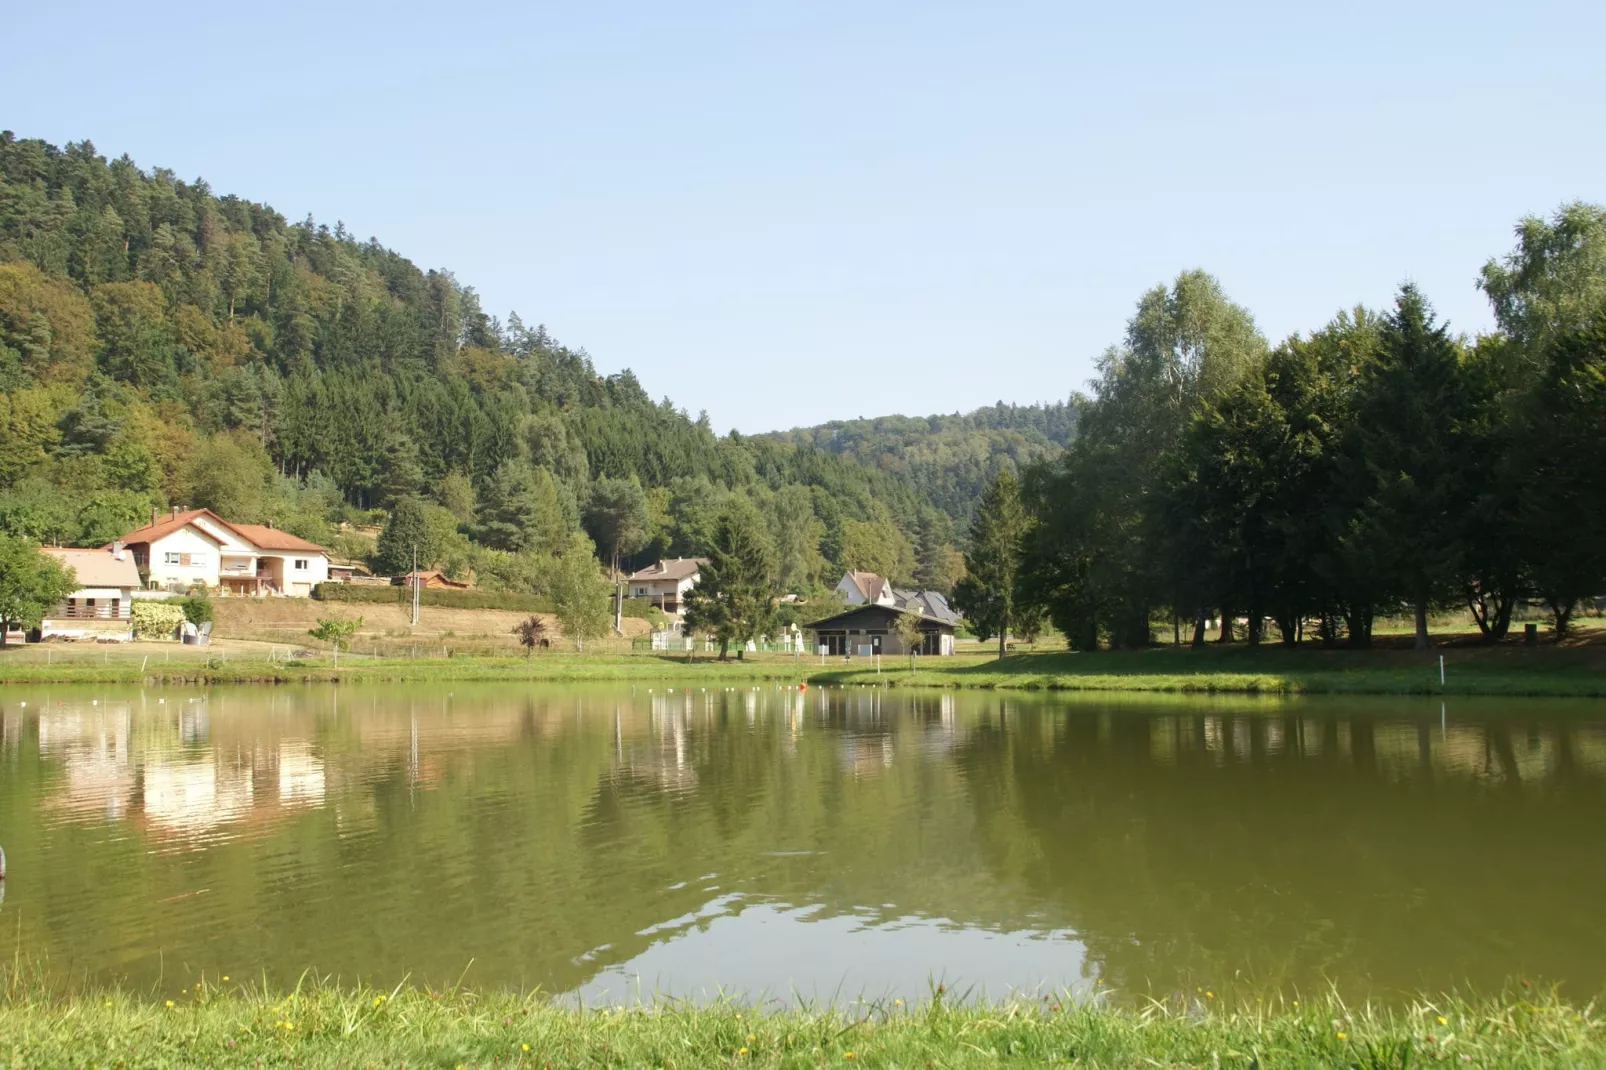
(1495, 671)
(1498, 671)
(319, 1025)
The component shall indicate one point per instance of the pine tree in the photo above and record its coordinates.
(987, 593)
(1409, 455)
(734, 599)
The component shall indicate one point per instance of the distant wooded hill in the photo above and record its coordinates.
(161, 344)
(949, 460)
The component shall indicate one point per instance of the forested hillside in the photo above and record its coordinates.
(949, 459)
(161, 344)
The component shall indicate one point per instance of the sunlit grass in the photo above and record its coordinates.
(1511, 670)
(225, 1023)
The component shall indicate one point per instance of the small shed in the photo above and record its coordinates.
(431, 580)
(871, 629)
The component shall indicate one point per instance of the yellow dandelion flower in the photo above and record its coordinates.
(849, 1055)
(526, 1047)
(741, 1051)
(1343, 1036)
(1210, 995)
(898, 1002)
(1443, 1020)
(225, 977)
(169, 1003)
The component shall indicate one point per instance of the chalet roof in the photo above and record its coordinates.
(259, 535)
(847, 617)
(930, 603)
(670, 568)
(266, 538)
(430, 577)
(869, 584)
(97, 567)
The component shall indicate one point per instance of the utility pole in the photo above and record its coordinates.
(415, 585)
(618, 594)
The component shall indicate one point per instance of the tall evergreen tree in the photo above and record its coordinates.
(734, 599)
(1409, 452)
(987, 594)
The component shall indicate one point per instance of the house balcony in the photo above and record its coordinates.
(92, 609)
(666, 602)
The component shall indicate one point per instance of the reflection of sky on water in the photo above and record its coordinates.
(772, 951)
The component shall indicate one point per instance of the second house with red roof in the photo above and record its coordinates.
(196, 546)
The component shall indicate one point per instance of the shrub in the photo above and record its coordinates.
(156, 620)
(355, 594)
(197, 608)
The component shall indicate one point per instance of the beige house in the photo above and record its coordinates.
(865, 589)
(102, 605)
(196, 546)
(665, 585)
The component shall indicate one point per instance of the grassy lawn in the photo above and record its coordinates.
(1500, 670)
(322, 1025)
(1509, 669)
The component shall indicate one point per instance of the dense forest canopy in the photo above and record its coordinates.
(1376, 466)
(949, 459)
(161, 344)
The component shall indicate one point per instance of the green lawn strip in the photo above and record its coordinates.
(324, 1025)
(1499, 671)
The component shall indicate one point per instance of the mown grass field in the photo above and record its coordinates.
(320, 1025)
(1506, 670)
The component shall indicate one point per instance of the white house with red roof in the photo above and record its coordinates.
(196, 546)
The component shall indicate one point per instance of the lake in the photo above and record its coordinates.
(615, 842)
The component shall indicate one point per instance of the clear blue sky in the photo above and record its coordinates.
(787, 213)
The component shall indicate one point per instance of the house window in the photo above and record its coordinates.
(301, 564)
(171, 558)
(182, 560)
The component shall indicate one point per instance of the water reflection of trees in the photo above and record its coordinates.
(1295, 848)
(549, 834)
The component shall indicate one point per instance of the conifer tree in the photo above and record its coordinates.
(734, 599)
(987, 593)
(1408, 456)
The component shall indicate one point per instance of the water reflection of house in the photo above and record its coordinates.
(193, 796)
(301, 777)
(160, 772)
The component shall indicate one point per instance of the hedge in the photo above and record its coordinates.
(446, 599)
(156, 620)
(364, 594)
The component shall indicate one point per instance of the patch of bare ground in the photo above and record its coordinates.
(287, 620)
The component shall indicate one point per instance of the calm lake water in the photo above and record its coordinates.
(615, 842)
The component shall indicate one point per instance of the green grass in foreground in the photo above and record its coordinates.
(322, 1025)
(1511, 670)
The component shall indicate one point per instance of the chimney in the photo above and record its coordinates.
(153, 514)
(175, 512)
(117, 549)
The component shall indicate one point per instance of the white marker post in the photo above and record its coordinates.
(1441, 670)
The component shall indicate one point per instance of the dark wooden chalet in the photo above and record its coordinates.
(870, 629)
